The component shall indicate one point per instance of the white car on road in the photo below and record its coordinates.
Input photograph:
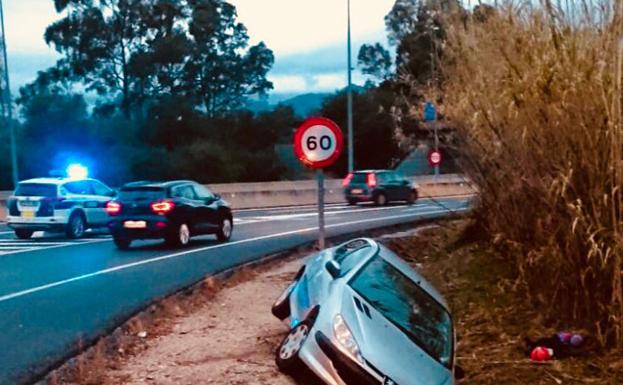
(58, 204)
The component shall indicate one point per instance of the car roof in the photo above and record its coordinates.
(55, 181)
(410, 272)
(158, 184)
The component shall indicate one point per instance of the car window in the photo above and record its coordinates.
(82, 187)
(100, 189)
(202, 192)
(185, 191)
(359, 177)
(36, 190)
(142, 193)
(404, 303)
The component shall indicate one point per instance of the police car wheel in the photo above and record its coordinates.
(122, 243)
(23, 234)
(76, 226)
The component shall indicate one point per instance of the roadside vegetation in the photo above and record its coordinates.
(535, 93)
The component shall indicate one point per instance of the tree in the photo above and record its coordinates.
(221, 75)
(375, 61)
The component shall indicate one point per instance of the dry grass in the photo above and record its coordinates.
(491, 318)
(535, 92)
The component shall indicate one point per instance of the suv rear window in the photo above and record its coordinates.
(141, 193)
(360, 177)
(36, 190)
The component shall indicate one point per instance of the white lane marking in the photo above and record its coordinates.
(286, 207)
(25, 250)
(267, 218)
(22, 293)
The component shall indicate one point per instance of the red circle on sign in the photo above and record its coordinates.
(318, 142)
(435, 157)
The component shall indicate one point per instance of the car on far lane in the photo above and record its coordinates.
(174, 211)
(359, 315)
(378, 186)
(58, 204)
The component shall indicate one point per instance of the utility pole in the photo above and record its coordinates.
(349, 92)
(7, 105)
(433, 56)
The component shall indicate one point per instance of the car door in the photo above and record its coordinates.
(209, 208)
(403, 186)
(102, 194)
(188, 207)
(82, 195)
(388, 183)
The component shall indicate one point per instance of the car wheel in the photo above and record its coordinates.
(23, 234)
(380, 199)
(287, 359)
(352, 202)
(76, 226)
(180, 236)
(122, 243)
(413, 195)
(225, 230)
(281, 307)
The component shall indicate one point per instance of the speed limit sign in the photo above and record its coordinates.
(318, 142)
(435, 158)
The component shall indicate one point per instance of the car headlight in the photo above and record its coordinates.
(346, 339)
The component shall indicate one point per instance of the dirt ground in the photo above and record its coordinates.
(226, 334)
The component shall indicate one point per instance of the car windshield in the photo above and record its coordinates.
(141, 193)
(36, 190)
(404, 303)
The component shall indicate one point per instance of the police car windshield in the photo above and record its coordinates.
(36, 190)
(141, 193)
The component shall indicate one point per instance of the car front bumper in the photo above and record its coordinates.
(332, 366)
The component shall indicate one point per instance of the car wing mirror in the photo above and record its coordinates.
(459, 373)
(333, 268)
(217, 196)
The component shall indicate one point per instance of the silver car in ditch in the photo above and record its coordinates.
(360, 315)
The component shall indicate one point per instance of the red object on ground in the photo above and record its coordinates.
(540, 354)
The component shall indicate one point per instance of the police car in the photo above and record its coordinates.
(58, 204)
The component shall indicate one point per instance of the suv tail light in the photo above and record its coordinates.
(347, 180)
(371, 180)
(113, 208)
(162, 208)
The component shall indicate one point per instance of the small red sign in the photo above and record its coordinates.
(435, 157)
(318, 142)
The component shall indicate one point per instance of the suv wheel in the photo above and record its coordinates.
(23, 234)
(225, 230)
(76, 226)
(380, 199)
(180, 236)
(122, 243)
(413, 195)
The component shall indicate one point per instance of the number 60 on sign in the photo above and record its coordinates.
(318, 142)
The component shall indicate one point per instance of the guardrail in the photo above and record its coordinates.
(303, 192)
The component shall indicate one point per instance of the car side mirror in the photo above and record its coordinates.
(112, 193)
(217, 196)
(459, 373)
(333, 268)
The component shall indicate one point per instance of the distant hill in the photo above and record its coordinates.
(306, 104)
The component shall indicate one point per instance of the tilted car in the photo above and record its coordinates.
(58, 204)
(361, 315)
(378, 186)
(174, 211)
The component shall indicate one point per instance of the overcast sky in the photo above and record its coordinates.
(308, 38)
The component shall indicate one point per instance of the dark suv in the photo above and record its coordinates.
(378, 186)
(174, 211)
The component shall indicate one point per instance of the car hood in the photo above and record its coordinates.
(386, 348)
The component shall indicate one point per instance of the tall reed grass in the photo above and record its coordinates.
(535, 92)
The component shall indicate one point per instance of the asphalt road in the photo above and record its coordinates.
(56, 294)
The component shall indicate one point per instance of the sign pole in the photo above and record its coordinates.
(321, 230)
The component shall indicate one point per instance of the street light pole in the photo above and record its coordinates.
(6, 101)
(349, 92)
(433, 56)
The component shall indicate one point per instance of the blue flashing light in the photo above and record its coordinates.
(77, 171)
(294, 323)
